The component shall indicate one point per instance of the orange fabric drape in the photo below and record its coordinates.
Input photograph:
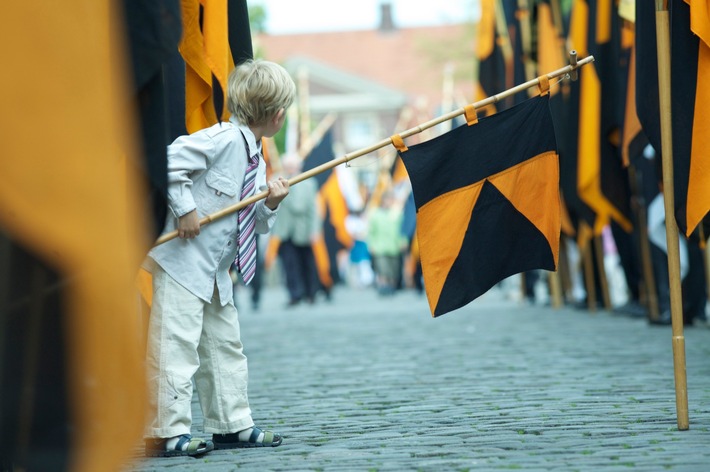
(206, 52)
(62, 201)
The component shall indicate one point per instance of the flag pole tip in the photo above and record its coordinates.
(573, 63)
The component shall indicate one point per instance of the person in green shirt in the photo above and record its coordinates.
(386, 243)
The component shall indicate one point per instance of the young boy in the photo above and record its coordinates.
(194, 328)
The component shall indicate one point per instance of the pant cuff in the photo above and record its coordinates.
(218, 427)
(164, 433)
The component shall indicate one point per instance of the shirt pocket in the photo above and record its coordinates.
(221, 184)
(218, 192)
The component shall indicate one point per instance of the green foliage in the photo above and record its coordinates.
(280, 137)
(257, 18)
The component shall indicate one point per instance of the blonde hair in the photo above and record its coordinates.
(257, 90)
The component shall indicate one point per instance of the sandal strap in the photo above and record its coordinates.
(196, 445)
(267, 440)
(184, 439)
(189, 444)
(255, 433)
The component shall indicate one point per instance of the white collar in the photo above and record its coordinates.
(254, 147)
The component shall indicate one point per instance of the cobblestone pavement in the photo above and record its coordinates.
(365, 383)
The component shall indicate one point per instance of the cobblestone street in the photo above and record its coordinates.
(366, 383)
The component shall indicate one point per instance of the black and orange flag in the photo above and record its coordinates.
(493, 51)
(549, 35)
(690, 97)
(215, 37)
(633, 139)
(74, 226)
(208, 60)
(690, 100)
(488, 206)
(601, 180)
(333, 208)
(153, 31)
(550, 30)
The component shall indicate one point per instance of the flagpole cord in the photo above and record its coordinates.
(385, 142)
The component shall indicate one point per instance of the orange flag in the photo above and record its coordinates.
(71, 197)
(205, 50)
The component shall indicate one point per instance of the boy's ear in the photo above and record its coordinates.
(279, 114)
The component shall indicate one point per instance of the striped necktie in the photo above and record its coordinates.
(246, 257)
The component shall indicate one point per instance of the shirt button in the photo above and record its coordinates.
(229, 243)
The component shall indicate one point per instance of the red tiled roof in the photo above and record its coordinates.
(408, 59)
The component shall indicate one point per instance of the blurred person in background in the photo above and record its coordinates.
(386, 243)
(298, 227)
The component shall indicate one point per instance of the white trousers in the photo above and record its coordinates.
(188, 337)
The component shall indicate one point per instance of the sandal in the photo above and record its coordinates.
(186, 446)
(232, 441)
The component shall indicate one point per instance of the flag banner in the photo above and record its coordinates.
(333, 209)
(601, 180)
(199, 109)
(565, 112)
(487, 199)
(74, 201)
(690, 95)
(399, 172)
(633, 138)
(208, 60)
(518, 19)
(550, 42)
(489, 52)
(320, 154)
(646, 64)
(690, 101)
(325, 261)
(153, 32)
(611, 70)
(566, 115)
(239, 31)
(494, 51)
(215, 37)
(503, 50)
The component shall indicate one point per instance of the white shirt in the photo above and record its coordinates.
(656, 224)
(206, 172)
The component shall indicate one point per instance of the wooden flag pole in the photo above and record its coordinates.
(649, 280)
(555, 283)
(506, 45)
(311, 140)
(603, 279)
(304, 109)
(386, 159)
(524, 15)
(385, 142)
(664, 98)
(589, 283)
(447, 94)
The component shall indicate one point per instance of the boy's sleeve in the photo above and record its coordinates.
(265, 217)
(186, 155)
